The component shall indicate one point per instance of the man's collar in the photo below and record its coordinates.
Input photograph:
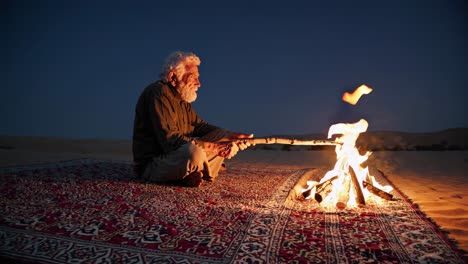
(173, 89)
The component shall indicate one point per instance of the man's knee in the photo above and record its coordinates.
(196, 155)
(177, 165)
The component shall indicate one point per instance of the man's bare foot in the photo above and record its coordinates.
(194, 179)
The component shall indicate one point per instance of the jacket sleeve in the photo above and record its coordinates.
(201, 127)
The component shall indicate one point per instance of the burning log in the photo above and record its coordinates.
(287, 141)
(357, 187)
(321, 190)
(376, 191)
(307, 193)
(343, 195)
(346, 187)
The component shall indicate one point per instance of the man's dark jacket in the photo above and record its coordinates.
(163, 122)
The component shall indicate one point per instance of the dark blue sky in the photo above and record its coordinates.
(76, 68)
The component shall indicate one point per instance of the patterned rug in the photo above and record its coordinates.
(94, 212)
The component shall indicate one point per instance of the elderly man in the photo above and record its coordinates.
(170, 141)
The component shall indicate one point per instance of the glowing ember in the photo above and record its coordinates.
(356, 95)
(348, 184)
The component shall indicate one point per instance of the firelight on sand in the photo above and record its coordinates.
(348, 184)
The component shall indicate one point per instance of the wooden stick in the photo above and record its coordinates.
(307, 193)
(376, 191)
(323, 189)
(357, 188)
(287, 141)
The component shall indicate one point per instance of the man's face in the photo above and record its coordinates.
(188, 84)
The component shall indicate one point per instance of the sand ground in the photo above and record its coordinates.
(436, 181)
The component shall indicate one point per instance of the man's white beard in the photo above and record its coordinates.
(187, 94)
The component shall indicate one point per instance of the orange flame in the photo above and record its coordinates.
(340, 193)
(343, 186)
(354, 97)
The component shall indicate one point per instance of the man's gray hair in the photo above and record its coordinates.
(176, 62)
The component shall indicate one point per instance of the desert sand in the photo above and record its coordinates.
(434, 180)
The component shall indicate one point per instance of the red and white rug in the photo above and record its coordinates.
(95, 212)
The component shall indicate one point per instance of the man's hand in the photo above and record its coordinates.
(241, 144)
(225, 149)
(228, 146)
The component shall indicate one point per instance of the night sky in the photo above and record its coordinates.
(75, 69)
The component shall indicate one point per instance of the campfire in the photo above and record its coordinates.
(348, 184)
